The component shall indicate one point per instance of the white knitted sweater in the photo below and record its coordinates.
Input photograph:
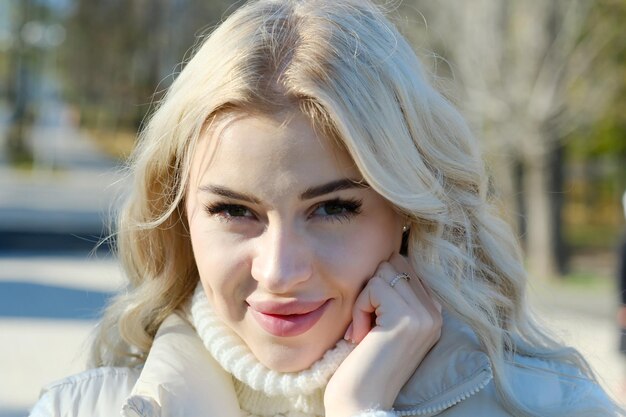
(261, 391)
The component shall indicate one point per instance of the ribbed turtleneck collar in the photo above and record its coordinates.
(260, 390)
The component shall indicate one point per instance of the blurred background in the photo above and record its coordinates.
(543, 84)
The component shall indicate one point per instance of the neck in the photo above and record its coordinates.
(260, 389)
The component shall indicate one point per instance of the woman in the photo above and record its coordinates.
(308, 234)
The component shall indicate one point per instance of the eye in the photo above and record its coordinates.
(229, 212)
(337, 209)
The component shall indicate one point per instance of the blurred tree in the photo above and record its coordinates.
(529, 71)
(119, 51)
(33, 38)
(597, 152)
(21, 76)
(517, 64)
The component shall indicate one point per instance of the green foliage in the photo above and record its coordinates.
(596, 153)
(598, 236)
(587, 281)
(121, 55)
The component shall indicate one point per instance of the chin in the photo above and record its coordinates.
(288, 359)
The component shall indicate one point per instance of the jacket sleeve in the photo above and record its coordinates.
(98, 393)
(44, 407)
(557, 387)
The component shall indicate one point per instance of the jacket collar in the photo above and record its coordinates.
(177, 375)
(455, 369)
(179, 372)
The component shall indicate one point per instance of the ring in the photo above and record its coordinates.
(398, 277)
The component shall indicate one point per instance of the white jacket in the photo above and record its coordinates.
(176, 375)
(453, 380)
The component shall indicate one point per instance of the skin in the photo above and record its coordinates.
(259, 236)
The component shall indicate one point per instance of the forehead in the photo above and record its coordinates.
(278, 153)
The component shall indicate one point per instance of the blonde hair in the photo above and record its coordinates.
(348, 69)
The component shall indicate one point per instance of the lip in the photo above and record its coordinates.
(287, 319)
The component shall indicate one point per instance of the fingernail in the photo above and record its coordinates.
(348, 335)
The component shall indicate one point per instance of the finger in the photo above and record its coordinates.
(401, 264)
(420, 288)
(401, 286)
(362, 314)
(370, 301)
(348, 334)
(410, 290)
(405, 299)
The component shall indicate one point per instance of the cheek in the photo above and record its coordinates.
(353, 257)
(223, 270)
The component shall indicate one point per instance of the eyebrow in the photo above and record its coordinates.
(342, 184)
(309, 193)
(228, 193)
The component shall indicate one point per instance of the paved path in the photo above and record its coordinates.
(71, 190)
(50, 219)
(74, 200)
(38, 345)
(48, 302)
(585, 319)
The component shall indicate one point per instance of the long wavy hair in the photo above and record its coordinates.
(346, 67)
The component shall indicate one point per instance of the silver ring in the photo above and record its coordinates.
(398, 277)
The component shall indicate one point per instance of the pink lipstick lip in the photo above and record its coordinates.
(285, 308)
(280, 319)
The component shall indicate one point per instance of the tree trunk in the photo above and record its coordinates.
(503, 185)
(540, 238)
(520, 201)
(19, 94)
(556, 193)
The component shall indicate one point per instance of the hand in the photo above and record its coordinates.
(407, 325)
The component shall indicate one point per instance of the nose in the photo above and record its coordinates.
(283, 259)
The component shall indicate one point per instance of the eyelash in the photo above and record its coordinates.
(349, 207)
(220, 210)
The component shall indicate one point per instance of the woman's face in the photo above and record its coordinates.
(283, 235)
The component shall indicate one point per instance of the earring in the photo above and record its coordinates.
(405, 228)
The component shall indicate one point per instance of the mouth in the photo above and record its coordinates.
(287, 320)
